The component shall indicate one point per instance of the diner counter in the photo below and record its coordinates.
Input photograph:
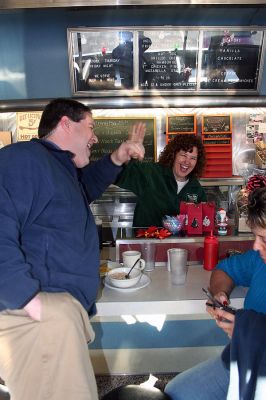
(194, 244)
(161, 296)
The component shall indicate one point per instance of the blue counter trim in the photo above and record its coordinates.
(186, 333)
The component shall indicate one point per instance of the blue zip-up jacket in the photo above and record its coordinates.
(48, 237)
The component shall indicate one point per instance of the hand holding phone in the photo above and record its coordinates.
(217, 304)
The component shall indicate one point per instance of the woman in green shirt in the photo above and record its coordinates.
(160, 186)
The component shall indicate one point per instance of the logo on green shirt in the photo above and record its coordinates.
(192, 197)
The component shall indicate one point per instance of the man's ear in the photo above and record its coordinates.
(65, 122)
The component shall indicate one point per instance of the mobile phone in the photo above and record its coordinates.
(217, 304)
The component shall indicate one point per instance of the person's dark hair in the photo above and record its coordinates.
(57, 109)
(184, 142)
(257, 208)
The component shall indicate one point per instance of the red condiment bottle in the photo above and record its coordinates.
(210, 252)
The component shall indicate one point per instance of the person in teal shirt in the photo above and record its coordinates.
(249, 270)
(162, 185)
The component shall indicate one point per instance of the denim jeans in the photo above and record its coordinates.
(206, 381)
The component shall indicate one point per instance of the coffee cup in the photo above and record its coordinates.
(130, 257)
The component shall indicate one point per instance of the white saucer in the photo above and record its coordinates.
(144, 281)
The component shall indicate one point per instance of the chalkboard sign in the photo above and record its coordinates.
(217, 136)
(216, 142)
(216, 123)
(181, 124)
(113, 131)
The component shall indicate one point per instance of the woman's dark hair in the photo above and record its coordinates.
(57, 109)
(257, 208)
(184, 142)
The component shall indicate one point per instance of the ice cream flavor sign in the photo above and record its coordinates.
(27, 125)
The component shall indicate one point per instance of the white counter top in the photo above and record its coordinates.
(161, 297)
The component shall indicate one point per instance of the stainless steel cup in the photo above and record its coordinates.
(177, 263)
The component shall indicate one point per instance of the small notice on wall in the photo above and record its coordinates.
(27, 125)
(5, 138)
(255, 128)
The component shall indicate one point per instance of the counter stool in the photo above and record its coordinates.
(135, 392)
(4, 395)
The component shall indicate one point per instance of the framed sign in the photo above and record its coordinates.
(27, 125)
(216, 123)
(113, 131)
(183, 123)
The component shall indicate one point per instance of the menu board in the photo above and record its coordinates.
(168, 59)
(163, 59)
(101, 60)
(111, 132)
(216, 123)
(231, 59)
(184, 123)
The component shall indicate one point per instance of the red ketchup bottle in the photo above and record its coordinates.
(210, 258)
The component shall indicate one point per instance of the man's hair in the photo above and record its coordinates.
(57, 109)
(184, 142)
(257, 208)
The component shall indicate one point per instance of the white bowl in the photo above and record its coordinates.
(115, 277)
(107, 265)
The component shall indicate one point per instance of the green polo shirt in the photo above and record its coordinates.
(156, 190)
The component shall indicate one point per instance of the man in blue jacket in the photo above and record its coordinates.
(49, 255)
